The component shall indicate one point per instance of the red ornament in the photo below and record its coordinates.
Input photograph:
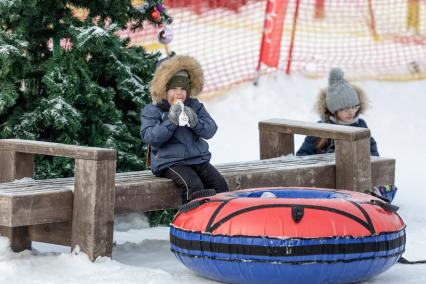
(155, 15)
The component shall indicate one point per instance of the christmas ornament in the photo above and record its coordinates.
(155, 15)
(159, 7)
(165, 36)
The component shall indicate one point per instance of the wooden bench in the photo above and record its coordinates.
(79, 211)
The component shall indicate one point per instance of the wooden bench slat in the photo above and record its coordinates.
(44, 208)
(30, 186)
(323, 130)
(65, 184)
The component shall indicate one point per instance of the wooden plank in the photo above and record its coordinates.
(42, 186)
(54, 233)
(56, 149)
(39, 209)
(323, 130)
(353, 166)
(313, 176)
(274, 144)
(34, 185)
(382, 171)
(140, 197)
(93, 212)
(144, 196)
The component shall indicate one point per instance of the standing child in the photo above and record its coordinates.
(340, 103)
(176, 125)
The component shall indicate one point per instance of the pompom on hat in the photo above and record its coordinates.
(340, 94)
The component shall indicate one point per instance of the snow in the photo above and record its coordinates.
(7, 49)
(58, 107)
(86, 34)
(397, 119)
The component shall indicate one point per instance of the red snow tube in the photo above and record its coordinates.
(288, 235)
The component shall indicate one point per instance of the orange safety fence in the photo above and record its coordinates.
(236, 40)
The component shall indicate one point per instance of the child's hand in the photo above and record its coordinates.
(192, 116)
(174, 113)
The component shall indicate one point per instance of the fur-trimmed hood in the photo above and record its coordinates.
(168, 69)
(321, 108)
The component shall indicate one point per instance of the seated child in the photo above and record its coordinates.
(340, 103)
(176, 124)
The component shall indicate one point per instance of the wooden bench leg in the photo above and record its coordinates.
(16, 165)
(353, 166)
(93, 207)
(18, 236)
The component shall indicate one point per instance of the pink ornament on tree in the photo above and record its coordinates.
(165, 36)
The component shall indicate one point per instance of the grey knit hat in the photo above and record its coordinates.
(340, 94)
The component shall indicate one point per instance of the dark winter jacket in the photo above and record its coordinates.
(170, 144)
(309, 146)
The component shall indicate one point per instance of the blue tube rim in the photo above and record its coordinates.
(291, 193)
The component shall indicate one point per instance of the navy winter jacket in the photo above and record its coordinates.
(309, 145)
(170, 144)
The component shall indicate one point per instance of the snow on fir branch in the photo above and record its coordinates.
(27, 128)
(59, 111)
(7, 3)
(88, 33)
(133, 85)
(57, 79)
(6, 50)
(8, 96)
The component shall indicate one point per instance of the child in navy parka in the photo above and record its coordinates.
(340, 103)
(181, 152)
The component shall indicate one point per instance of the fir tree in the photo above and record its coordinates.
(89, 93)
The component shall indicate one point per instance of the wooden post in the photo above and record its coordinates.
(292, 40)
(413, 13)
(18, 236)
(353, 166)
(93, 207)
(16, 165)
(372, 22)
(274, 144)
(319, 9)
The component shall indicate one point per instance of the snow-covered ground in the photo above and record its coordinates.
(397, 119)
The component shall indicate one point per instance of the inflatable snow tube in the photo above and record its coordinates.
(288, 235)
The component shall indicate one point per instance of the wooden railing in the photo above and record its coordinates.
(94, 190)
(353, 166)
